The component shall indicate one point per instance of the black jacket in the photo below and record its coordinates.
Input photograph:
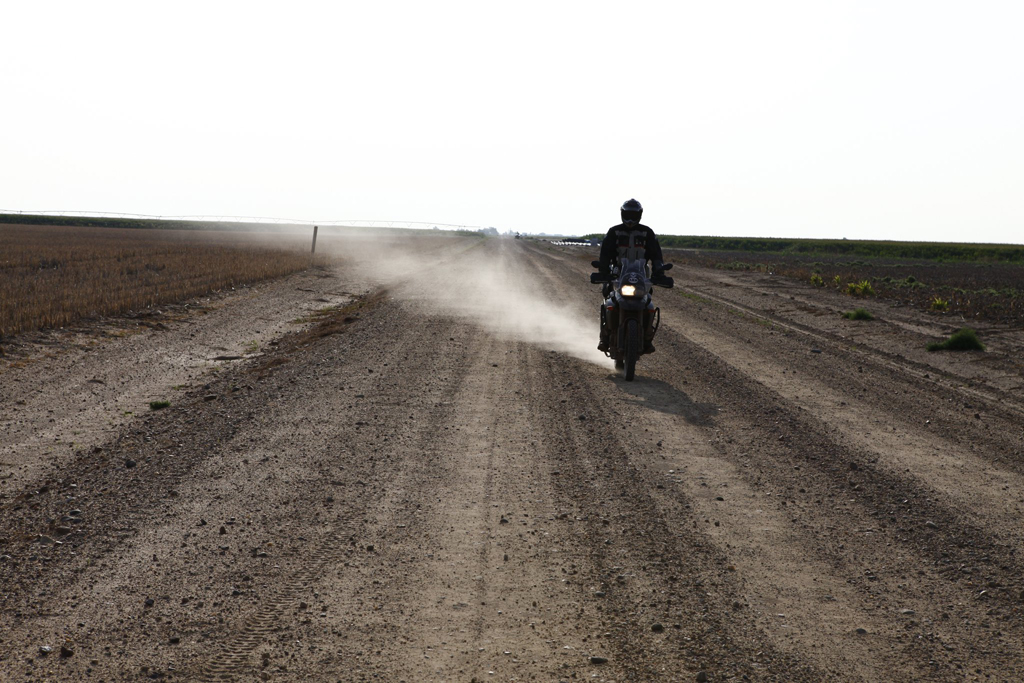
(619, 235)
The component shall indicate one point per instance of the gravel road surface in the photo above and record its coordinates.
(438, 478)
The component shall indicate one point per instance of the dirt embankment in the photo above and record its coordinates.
(410, 492)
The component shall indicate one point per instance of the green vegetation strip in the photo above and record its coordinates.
(937, 251)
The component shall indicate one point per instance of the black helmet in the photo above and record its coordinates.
(631, 211)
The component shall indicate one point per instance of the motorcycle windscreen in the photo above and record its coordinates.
(638, 266)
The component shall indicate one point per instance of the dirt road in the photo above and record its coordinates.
(406, 491)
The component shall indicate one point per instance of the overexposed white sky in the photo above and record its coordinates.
(868, 120)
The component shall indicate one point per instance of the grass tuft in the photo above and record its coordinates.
(964, 339)
(159, 405)
(862, 288)
(858, 314)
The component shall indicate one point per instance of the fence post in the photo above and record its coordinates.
(313, 250)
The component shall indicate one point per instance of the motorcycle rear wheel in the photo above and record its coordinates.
(632, 348)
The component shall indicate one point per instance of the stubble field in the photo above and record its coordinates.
(52, 276)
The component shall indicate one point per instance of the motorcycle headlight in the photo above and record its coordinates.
(628, 290)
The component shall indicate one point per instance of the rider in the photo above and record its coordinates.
(618, 240)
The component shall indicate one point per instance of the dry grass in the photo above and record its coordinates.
(53, 276)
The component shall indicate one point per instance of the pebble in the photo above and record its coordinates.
(129, 463)
(45, 650)
(598, 660)
(210, 397)
(861, 631)
(66, 650)
(5, 558)
(149, 602)
(657, 628)
(702, 677)
(931, 525)
(175, 640)
(908, 612)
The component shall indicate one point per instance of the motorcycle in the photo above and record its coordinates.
(628, 310)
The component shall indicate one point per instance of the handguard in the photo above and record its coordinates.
(600, 278)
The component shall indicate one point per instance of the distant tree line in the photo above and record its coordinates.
(934, 251)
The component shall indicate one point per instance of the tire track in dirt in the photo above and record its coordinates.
(1009, 404)
(244, 631)
(653, 566)
(878, 530)
(956, 467)
(715, 379)
(656, 573)
(396, 439)
(139, 360)
(490, 589)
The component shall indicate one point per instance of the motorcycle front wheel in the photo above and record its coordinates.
(632, 348)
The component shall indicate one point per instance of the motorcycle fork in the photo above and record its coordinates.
(611, 317)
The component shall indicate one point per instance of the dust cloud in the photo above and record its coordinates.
(489, 281)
